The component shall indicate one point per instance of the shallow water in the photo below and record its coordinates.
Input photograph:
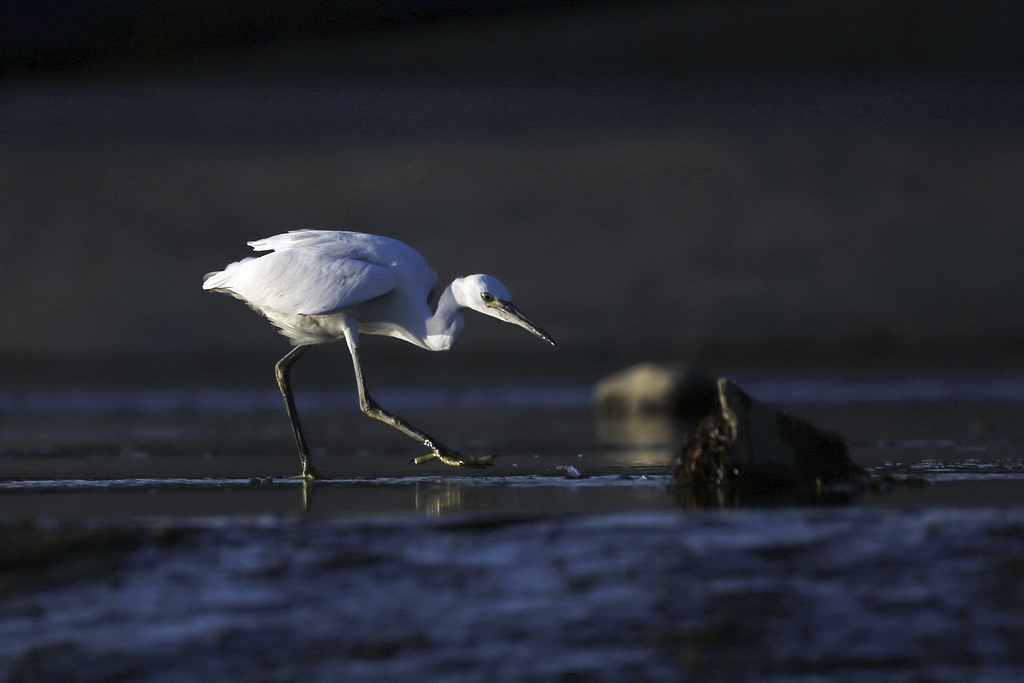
(154, 536)
(201, 452)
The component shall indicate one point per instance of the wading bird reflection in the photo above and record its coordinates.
(321, 286)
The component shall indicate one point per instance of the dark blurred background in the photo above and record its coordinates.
(778, 186)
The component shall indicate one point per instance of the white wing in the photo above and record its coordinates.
(302, 281)
(350, 242)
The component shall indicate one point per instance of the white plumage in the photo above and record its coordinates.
(321, 286)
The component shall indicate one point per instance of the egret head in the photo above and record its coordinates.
(487, 295)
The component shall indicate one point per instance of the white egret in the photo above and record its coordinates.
(322, 286)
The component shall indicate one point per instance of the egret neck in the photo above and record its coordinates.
(445, 327)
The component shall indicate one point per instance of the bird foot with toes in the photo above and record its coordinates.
(450, 457)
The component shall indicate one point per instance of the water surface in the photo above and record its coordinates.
(201, 452)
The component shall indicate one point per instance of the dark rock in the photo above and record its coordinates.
(745, 449)
(652, 389)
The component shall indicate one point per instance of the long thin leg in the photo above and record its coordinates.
(370, 407)
(282, 370)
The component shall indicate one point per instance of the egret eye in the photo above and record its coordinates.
(487, 297)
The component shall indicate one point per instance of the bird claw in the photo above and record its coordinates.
(449, 457)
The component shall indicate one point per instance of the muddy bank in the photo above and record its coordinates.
(852, 594)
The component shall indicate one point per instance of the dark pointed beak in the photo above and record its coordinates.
(510, 313)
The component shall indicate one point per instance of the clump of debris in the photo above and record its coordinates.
(743, 449)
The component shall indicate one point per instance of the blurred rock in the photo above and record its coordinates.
(744, 448)
(653, 389)
(638, 431)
